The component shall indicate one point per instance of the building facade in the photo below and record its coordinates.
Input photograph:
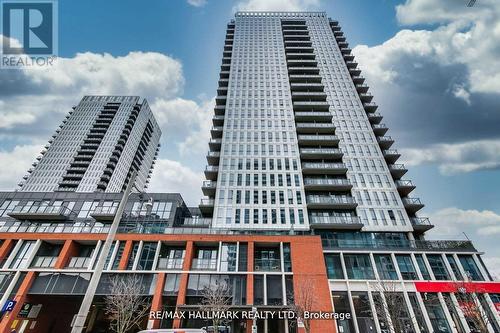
(303, 194)
(97, 147)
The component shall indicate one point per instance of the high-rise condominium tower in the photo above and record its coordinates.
(296, 141)
(97, 147)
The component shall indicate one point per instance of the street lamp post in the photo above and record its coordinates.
(79, 321)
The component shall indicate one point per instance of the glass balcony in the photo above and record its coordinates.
(306, 153)
(421, 224)
(216, 131)
(197, 222)
(339, 184)
(374, 118)
(207, 205)
(369, 106)
(391, 155)
(213, 157)
(267, 265)
(323, 168)
(211, 172)
(310, 105)
(170, 263)
(412, 205)
(400, 245)
(208, 187)
(335, 222)
(315, 127)
(380, 129)
(44, 262)
(204, 264)
(318, 116)
(329, 140)
(104, 213)
(79, 262)
(330, 201)
(366, 99)
(397, 170)
(385, 142)
(57, 213)
(404, 186)
(215, 144)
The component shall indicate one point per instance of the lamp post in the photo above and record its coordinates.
(79, 320)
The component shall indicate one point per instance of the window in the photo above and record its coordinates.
(438, 268)
(406, 267)
(422, 267)
(133, 254)
(385, 267)
(23, 255)
(454, 267)
(470, 267)
(358, 267)
(147, 256)
(334, 266)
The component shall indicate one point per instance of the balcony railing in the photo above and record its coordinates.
(267, 265)
(79, 262)
(170, 263)
(197, 222)
(204, 264)
(327, 181)
(335, 220)
(44, 262)
(207, 202)
(324, 167)
(104, 213)
(404, 245)
(22, 212)
(331, 199)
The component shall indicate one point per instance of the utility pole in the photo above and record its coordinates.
(79, 322)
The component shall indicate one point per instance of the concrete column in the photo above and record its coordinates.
(69, 250)
(157, 301)
(186, 267)
(125, 255)
(7, 245)
(20, 298)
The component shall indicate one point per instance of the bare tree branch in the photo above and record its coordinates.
(216, 300)
(125, 306)
(303, 300)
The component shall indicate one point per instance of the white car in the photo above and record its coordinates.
(175, 330)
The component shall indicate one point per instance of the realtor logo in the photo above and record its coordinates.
(29, 32)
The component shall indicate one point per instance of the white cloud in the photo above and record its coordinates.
(187, 118)
(431, 11)
(457, 158)
(482, 227)
(451, 221)
(468, 36)
(277, 5)
(17, 162)
(493, 265)
(172, 176)
(197, 3)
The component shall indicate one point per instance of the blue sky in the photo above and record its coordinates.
(432, 67)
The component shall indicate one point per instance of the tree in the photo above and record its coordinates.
(125, 305)
(301, 301)
(470, 304)
(392, 306)
(216, 299)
